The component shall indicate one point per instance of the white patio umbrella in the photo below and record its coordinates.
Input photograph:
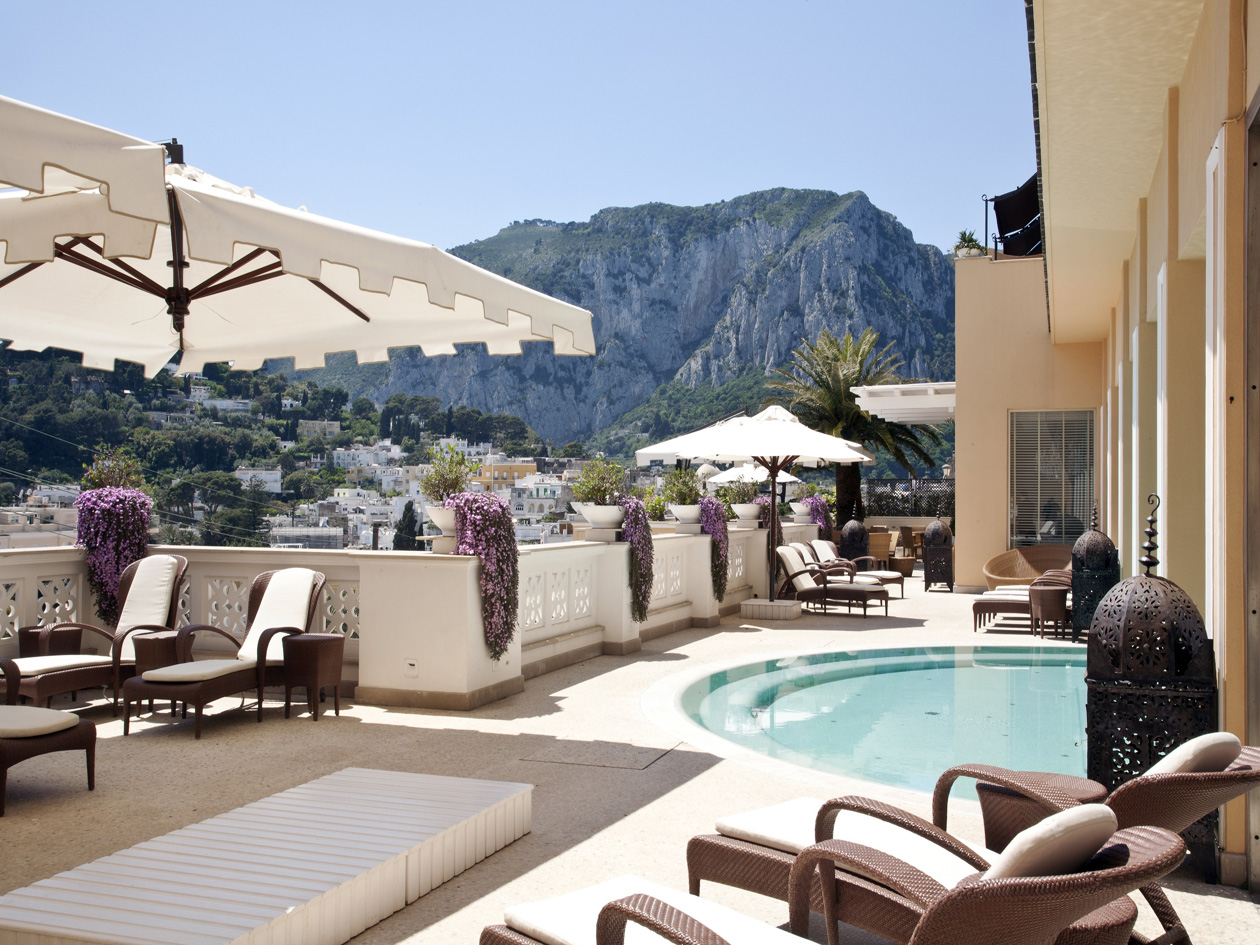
(111, 252)
(773, 439)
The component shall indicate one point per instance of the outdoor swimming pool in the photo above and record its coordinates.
(902, 716)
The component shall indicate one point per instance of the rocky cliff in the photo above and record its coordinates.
(697, 295)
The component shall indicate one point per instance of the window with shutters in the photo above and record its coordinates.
(1052, 475)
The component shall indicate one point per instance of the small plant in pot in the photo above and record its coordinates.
(682, 491)
(968, 245)
(596, 491)
(742, 496)
(804, 491)
(448, 474)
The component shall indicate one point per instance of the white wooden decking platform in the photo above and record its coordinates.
(316, 864)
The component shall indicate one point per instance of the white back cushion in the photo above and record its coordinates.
(823, 551)
(1060, 844)
(792, 561)
(285, 603)
(1214, 751)
(570, 919)
(149, 598)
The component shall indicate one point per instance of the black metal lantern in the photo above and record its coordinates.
(1095, 571)
(854, 540)
(938, 555)
(1151, 682)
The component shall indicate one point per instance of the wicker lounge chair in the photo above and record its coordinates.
(1024, 565)
(148, 596)
(890, 870)
(812, 585)
(280, 602)
(825, 552)
(1195, 778)
(27, 731)
(1030, 896)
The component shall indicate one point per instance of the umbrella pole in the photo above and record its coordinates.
(774, 528)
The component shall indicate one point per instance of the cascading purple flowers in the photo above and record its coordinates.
(777, 538)
(713, 524)
(638, 534)
(484, 527)
(819, 514)
(114, 531)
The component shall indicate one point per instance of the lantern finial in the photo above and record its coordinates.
(1149, 560)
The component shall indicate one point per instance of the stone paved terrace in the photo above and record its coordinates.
(621, 784)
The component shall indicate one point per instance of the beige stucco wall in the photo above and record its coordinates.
(1005, 362)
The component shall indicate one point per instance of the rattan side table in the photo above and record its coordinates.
(1007, 812)
(313, 660)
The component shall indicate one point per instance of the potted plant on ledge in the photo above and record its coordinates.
(596, 491)
(682, 491)
(742, 495)
(447, 476)
(968, 245)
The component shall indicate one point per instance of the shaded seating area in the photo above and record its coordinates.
(280, 602)
(1063, 870)
(1046, 600)
(1024, 565)
(148, 596)
(826, 552)
(27, 731)
(812, 585)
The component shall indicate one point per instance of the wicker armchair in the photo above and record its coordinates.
(1024, 565)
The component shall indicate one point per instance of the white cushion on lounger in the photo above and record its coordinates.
(1214, 751)
(285, 603)
(197, 670)
(883, 575)
(28, 721)
(149, 598)
(1062, 843)
(865, 578)
(790, 827)
(570, 919)
(37, 665)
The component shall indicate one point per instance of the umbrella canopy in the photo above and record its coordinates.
(747, 472)
(773, 439)
(111, 252)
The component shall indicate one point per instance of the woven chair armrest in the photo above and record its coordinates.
(264, 641)
(12, 681)
(916, 886)
(667, 921)
(824, 825)
(121, 635)
(46, 632)
(1031, 784)
(811, 572)
(184, 641)
(869, 558)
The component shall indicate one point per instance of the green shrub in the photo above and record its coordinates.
(601, 481)
(656, 508)
(682, 487)
(448, 473)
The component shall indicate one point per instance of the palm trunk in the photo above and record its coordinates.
(848, 494)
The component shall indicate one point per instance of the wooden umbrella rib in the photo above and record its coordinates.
(323, 288)
(252, 278)
(102, 268)
(136, 274)
(19, 274)
(226, 271)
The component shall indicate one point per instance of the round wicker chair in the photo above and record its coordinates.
(1024, 565)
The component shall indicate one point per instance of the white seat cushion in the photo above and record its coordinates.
(286, 603)
(570, 919)
(197, 670)
(1214, 751)
(1060, 844)
(864, 578)
(149, 598)
(790, 827)
(27, 721)
(885, 575)
(38, 665)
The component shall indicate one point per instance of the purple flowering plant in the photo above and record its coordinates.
(819, 513)
(713, 524)
(484, 527)
(638, 534)
(114, 532)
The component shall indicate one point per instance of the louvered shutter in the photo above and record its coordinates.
(1052, 475)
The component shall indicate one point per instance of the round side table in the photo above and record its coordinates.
(313, 661)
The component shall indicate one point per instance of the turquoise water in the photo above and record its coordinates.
(903, 716)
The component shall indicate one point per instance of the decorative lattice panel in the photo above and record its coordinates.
(735, 566)
(675, 575)
(582, 603)
(227, 603)
(658, 577)
(530, 609)
(57, 599)
(341, 609)
(183, 610)
(558, 596)
(8, 610)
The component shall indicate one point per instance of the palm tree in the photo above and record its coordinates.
(818, 387)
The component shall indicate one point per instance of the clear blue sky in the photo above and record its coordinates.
(445, 121)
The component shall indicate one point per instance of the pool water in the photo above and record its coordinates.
(902, 716)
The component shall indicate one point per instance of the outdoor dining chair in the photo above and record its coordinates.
(280, 602)
(148, 597)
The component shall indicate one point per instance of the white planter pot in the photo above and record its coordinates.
(443, 518)
(964, 253)
(799, 508)
(746, 511)
(601, 516)
(686, 514)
